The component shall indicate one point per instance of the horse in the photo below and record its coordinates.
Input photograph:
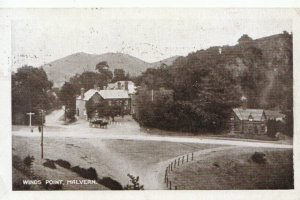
(103, 124)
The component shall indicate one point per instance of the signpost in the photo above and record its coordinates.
(30, 114)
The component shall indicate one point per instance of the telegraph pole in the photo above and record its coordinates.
(42, 135)
(30, 114)
(152, 95)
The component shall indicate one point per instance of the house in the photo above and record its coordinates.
(106, 97)
(123, 85)
(250, 121)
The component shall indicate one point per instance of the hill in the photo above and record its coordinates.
(167, 61)
(62, 69)
(262, 68)
(208, 83)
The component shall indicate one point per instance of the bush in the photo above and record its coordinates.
(110, 183)
(50, 164)
(259, 157)
(89, 173)
(63, 163)
(28, 160)
(134, 183)
(18, 164)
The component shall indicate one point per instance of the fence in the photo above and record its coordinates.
(172, 166)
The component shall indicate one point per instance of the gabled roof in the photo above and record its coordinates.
(105, 94)
(114, 94)
(244, 114)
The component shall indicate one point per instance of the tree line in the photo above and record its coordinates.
(32, 91)
(207, 84)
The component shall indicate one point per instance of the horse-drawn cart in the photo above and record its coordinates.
(98, 123)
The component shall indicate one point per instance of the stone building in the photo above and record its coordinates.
(249, 121)
(106, 97)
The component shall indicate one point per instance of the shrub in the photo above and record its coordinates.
(18, 164)
(89, 173)
(259, 157)
(50, 164)
(110, 183)
(63, 163)
(28, 160)
(134, 183)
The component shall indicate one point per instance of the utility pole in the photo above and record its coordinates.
(152, 95)
(42, 135)
(30, 114)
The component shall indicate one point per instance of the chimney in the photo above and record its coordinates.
(126, 85)
(244, 101)
(82, 93)
(104, 87)
(119, 85)
(98, 88)
(95, 86)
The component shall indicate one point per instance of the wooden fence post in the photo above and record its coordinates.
(171, 165)
(175, 187)
(192, 155)
(170, 183)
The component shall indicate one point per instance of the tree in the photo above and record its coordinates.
(67, 95)
(30, 88)
(119, 75)
(105, 74)
(86, 80)
(204, 94)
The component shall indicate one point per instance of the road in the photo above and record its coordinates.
(122, 148)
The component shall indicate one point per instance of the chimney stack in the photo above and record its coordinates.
(104, 87)
(244, 101)
(82, 93)
(119, 85)
(126, 85)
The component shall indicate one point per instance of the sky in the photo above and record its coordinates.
(42, 36)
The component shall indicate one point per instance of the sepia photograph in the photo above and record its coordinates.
(152, 99)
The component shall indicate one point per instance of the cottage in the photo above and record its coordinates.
(107, 97)
(251, 121)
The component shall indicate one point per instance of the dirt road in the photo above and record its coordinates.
(121, 149)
